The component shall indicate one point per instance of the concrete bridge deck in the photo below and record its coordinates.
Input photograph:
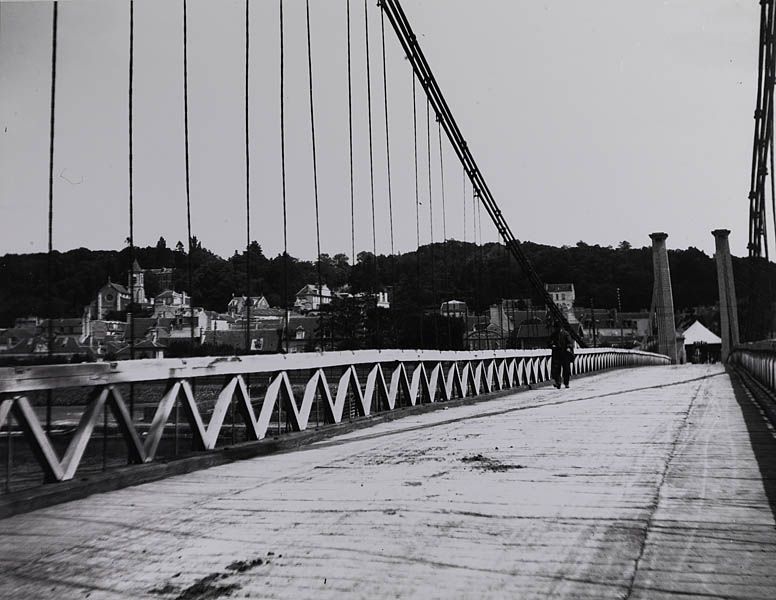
(643, 483)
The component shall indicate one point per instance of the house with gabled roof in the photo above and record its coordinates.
(563, 295)
(310, 298)
(238, 305)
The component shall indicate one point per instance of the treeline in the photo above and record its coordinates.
(478, 275)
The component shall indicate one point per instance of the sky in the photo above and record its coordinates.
(600, 121)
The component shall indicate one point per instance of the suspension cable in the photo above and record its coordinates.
(508, 293)
(188, 187)
(371, 169)
(388, 162)
(49, 259)
(428, 163)
(315, 169)
(371, 149)
(465, 253)
(417, 202)
(49, 256)
(773, 193)
(445, 269)
(464, 204)
(763, 131)
(431, 223)
(387, 138)
(284, 336)
(247, 183)
(350, 145)
(131, 199)
(480, 269)
(442, 182)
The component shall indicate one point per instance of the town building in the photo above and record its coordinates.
(532, 333)
(383, 299)
(14, 335)
(164, 277)
(310, 298)
(238, 306)
(454, 308)
(111, 298)
(563, 295)
(484, 336)
(67, 327)
(171, 304)
(29, 322)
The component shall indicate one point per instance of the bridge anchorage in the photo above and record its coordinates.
(130, 437)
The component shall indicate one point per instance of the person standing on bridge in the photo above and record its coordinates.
(562, 354)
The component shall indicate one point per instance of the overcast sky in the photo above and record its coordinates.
(601, 121)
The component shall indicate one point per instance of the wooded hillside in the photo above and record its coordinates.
(478, 275)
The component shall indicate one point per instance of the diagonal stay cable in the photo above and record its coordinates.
(409, 42)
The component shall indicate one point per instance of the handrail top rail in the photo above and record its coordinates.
(42, 377)
(760, 346)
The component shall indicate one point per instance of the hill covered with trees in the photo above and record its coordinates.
(479, 275)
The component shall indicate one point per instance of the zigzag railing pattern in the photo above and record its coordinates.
(392, 375)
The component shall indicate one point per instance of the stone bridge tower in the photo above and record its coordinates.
(663, 298)
(728, 307)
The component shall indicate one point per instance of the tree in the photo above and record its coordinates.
(478, 276)
(335, 272)
(162, 244)
(624, 245)
(343, 322)
(179, 246)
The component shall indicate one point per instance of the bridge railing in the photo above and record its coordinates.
(136, 405)
(759, 360)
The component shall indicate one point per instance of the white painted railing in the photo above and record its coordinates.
(386, 377)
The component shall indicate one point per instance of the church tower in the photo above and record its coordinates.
(136, 284)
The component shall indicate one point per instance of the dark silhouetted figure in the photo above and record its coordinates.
(562, 354)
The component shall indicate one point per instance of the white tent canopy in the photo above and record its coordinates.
(698, 334)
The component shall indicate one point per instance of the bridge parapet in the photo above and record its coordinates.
(758, 359)
(262, 390)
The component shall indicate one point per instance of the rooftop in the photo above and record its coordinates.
(559, 287)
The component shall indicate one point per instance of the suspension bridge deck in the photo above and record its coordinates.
(645, 483)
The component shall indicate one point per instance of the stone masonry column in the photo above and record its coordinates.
(728, 307)
(663, 297)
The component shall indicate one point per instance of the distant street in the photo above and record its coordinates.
(632, 484)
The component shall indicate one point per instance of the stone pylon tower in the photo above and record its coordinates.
(728, 307)
(663, 298)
